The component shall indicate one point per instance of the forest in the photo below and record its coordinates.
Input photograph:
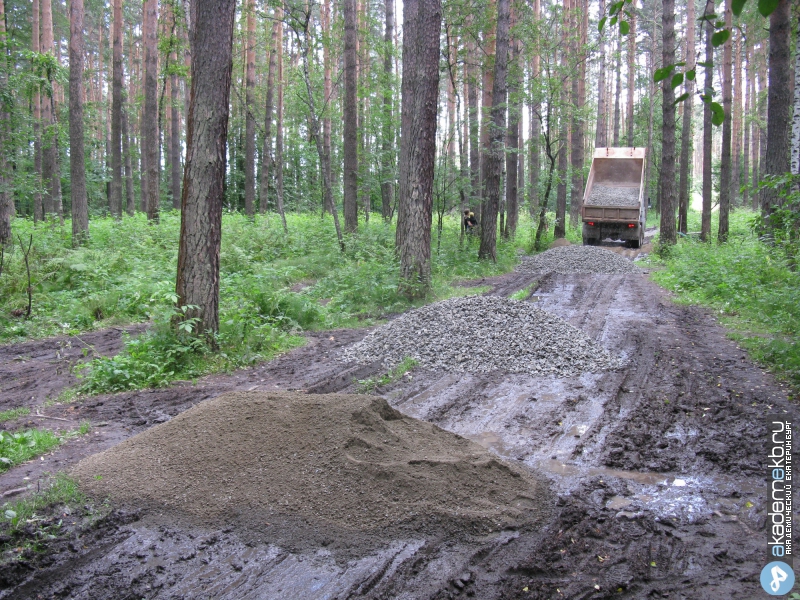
(205, 199)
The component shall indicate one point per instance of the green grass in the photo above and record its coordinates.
(28, 524)
(13, 413)
(525, 292)
(748, 284)
(19, 446)
(367, 386)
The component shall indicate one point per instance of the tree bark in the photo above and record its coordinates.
(419, 89)
(795, 161)
(150, 125)
(350, 119)
(387, 149)
(600, 137)
(513, 140)
(175, 143)
(51, 178)
(667, 179)
(116, 114)
(748, 107)
(736, 136)
(6, 197)
(279, 130)
(211, 41)
(130, 200)
(266, 155)
(470, 72)
(779, 103)
(617, 91)
(250, 121)
(493, 164)
(725, 158)
(631, 71)
(686, 129)
(708, 132)
(327, 86)
(579, 99)
(487, 85)
(80, 209)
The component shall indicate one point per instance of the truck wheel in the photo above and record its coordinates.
(633, 243)
(587, 241)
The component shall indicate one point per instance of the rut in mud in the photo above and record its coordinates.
(654, 473)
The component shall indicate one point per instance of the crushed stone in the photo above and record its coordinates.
(606, 195)
(577, 259)
(350, 461)
(481, 334)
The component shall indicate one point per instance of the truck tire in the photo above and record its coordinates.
(587, 241)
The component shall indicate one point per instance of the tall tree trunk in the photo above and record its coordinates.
(513, 139)
(762, 110)
(6, 197)
(175, 142)
(748, 107)
(487, 76)
(600, 137)
(736, 139)
(560, 229)
(250, 120)
(150, 125)
(80, 209)
(471, 73)
(795, 161)
(708, 133)
(38, 207)
(535, 122)
(493, 164)
(130, 200)
(631, 71)
(686, 128)
(116, 114)
(420, 90)
(279, 130)
(579, 98)
(51, 178)
(201, 203)
(266, 154)
(328, 93)
(667, 179)
(725, 158)
(350, 119)
(779, 102)
(617, 91)
(387, 149)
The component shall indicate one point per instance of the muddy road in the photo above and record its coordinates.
(656, 471)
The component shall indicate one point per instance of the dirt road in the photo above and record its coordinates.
(656, 471)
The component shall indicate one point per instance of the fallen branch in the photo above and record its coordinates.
(12, 492)
(48, 417)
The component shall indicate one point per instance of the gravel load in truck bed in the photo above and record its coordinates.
(606, 195)
(576, 259)
(480, 334)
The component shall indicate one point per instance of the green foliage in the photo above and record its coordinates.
(13, 413)
(367, 386)
(750, 284)
(17, 447)
(524, 292)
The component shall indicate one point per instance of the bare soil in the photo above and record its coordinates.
(654, 473)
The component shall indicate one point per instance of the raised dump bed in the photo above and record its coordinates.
(613, 203)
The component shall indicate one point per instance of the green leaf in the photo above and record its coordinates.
(720, 37)
(677, 79)
(690, 75)
(615, 8)
(737, 6)
(614, 21)
(706, 65)
(767, 7)
(663, 73)
(624, 27)
(681, 98)
(718, 115)
(601, 24)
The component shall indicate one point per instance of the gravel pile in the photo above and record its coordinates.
(606, 195)
(480, 334)
(576, 259)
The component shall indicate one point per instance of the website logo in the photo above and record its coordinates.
(777, 578)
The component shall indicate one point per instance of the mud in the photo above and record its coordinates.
(654, 473)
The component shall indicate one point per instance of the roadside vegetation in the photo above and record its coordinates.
(27, 525)
(16, 447)
(274, 285)
(751, 283)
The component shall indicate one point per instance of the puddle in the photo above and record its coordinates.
(557, 467)
(491, 441)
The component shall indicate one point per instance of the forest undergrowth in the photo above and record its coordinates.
(750, 284)
(273, 286)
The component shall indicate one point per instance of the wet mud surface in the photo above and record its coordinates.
(656, 471)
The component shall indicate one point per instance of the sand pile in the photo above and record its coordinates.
(343, 460)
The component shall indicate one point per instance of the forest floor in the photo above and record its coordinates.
(655, 472)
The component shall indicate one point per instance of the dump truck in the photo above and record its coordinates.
(614, 205)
